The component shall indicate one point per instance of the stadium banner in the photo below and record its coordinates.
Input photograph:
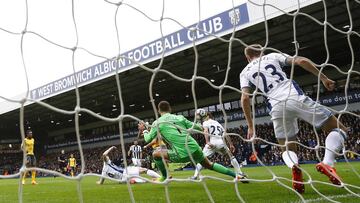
(225, 21)
(340, 98)
(131, 133)
(334, 99)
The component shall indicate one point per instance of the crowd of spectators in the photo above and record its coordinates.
(10, 163)
(268, 154)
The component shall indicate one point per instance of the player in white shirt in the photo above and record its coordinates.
(136, 153)
(113, 170)
(288, 104)
(216, 144)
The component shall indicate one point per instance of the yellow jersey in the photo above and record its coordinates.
(29, 146)
(72, 162)
(158, 143)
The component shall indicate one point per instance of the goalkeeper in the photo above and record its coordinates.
(173, 130)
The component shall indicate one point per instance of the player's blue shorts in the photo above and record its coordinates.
(30, 160)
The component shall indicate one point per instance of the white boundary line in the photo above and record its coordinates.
(331, 197)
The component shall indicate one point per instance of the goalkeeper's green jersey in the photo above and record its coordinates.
(175, 136)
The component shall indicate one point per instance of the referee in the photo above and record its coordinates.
(136, 154)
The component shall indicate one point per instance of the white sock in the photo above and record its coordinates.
(197, 170)
(236, 165)
(138, 180)
(152, 173)
(244, 163)
(290, 158)
(334, 141)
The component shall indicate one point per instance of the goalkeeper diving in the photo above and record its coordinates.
(174, 131)
(113, 170)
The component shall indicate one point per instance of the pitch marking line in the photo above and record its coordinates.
(322, 198)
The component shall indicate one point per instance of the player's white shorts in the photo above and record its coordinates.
(297, 106)
(219, 148)
(136, 162)
(132, 171)
(119, 173)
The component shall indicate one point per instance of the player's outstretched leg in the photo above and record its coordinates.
(297, 179)
(236, 166)
(217, 167)
(100, 181)
(334, 143)
(221, 169)
(157, 155)
(198, 168)
(149, 172)
(291, 160)
(207, 152)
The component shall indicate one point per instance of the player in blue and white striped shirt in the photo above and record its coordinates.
(136, 153)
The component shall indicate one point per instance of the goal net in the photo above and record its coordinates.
(325, 31)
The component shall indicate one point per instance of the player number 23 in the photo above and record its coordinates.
(262, 76)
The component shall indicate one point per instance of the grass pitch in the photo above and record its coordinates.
(63, 190)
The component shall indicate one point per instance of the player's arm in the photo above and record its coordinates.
(142, 127)
(61, 160)
(141, 155)
(22, 146)
(189, 124)
(309, 66)
(148, 136)
(229, 143)
(245, 103)
(129, 152)
(139, 135)
(105, 155)
(206, 135)
(150, 143)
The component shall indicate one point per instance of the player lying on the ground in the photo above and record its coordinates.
(288, 104)
(113, 170)
(173, 131)
(215, 144)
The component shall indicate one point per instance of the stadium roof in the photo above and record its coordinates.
(100, 96)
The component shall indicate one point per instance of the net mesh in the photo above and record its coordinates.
(157, 70)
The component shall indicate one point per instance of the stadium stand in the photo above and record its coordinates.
(270, 155)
